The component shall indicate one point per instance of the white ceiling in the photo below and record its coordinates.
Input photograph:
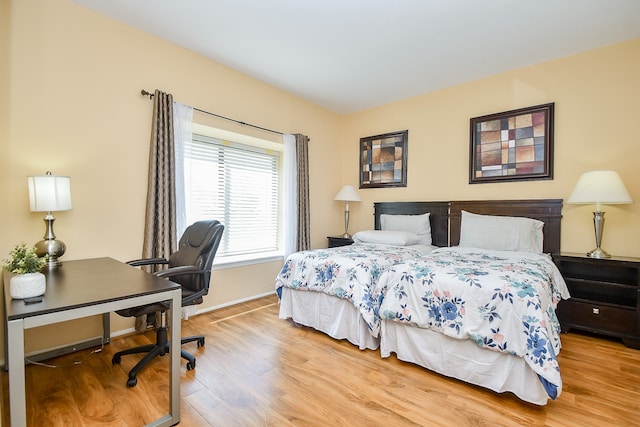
(351, 55)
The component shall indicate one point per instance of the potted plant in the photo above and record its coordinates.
(25, 264)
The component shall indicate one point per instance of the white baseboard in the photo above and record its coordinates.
(227, 304)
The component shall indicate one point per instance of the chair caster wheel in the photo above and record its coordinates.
(201, 342)
(131, 382)
(191, 366)
(115, 360)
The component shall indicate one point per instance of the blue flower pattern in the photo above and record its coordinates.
(501, 302)
(348, 272)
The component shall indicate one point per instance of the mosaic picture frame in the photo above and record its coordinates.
(512, 145)
(383, 160)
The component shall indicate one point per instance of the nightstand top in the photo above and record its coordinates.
(584, 256)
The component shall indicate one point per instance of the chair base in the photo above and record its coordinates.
(160, 348)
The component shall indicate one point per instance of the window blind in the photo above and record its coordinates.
(238, 185)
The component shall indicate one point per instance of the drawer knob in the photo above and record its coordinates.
(595, 310)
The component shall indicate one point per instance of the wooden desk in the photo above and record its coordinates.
(80, 289)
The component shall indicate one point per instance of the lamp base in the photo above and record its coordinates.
(346, 234)
(52, 249)
(598, 225)
(598, 253)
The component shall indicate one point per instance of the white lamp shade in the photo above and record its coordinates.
(348, 194)
(604, 187)
(49, 193)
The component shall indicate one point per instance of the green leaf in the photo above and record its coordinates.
(24, 260)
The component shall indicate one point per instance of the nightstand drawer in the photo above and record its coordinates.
(603, 292)
(597, 317)
(334, 242)
(605, 270)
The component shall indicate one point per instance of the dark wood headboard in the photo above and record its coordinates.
(548, 211)
(445, 216)
(439, 216)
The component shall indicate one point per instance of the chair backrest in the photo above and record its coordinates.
(197, 247)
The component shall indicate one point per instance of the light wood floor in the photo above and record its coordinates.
(256, 369)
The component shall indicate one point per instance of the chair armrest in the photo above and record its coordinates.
(182, 271)
(179, 271)
(147, 261)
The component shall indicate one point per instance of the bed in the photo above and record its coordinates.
(478, 314)
(330, 290)
(380, 323)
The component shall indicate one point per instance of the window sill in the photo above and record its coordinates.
(243, 260)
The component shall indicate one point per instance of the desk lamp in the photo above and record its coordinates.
(49, 193)
(347, 194)
(599, 187)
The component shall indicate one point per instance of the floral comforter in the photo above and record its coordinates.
(503, 301)
(348, 272)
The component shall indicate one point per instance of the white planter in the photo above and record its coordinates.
(27, 285)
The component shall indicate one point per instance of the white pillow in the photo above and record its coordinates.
(503, 233)
(396, 238)
(418, 224)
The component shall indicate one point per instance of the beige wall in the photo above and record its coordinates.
(69, 90)
(596, 127)
(72, 93)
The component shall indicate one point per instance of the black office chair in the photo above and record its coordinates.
(190, 266)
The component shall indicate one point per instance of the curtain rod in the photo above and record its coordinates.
(150, 95)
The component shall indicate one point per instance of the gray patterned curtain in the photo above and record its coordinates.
(160, 238)
(304, 223)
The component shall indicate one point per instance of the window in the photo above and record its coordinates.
(238, 184)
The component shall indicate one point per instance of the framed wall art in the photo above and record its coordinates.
(513, 145)
(383, 160)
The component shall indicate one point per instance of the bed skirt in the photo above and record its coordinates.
(462, 359)
(334, 316)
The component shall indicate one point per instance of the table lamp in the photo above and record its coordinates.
(49, 193)
(599, 187)
(347, 194)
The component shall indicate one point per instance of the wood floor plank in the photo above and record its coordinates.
(258, 370)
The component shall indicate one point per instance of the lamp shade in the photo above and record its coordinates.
(348, 194)
(49, 193)
(598, 187)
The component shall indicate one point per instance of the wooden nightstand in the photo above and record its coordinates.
(605, 296)
(334, 241)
